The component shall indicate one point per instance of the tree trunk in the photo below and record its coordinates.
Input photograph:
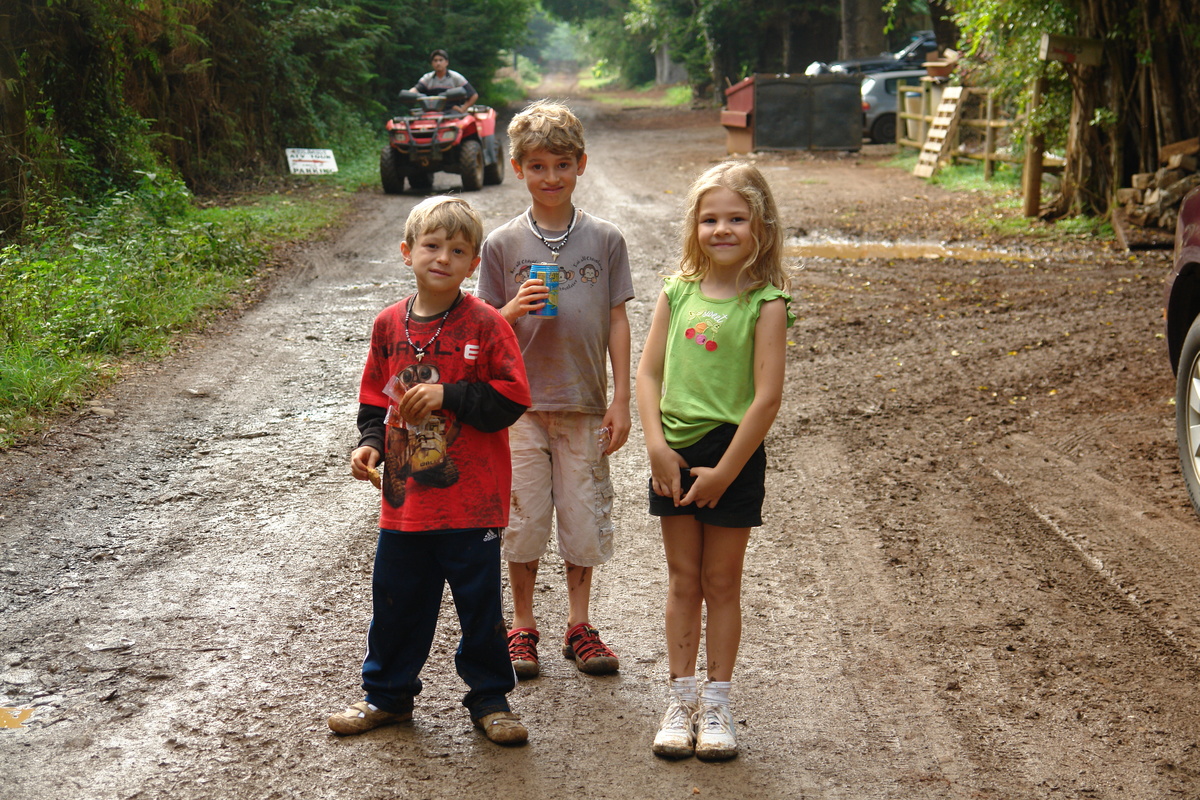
(862, 28)
(1154, 101)
(1087, 181)
(944, 28)
(785, 31)
(13, 147)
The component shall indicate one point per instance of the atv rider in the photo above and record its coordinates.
(443, 78)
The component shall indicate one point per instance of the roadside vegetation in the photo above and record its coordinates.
(99, 287)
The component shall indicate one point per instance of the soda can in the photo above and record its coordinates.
(549, 275)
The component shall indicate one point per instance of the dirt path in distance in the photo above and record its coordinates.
(977, 578)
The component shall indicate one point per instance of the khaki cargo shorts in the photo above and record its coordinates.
(560, 484)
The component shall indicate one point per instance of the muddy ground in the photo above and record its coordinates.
(977, 579)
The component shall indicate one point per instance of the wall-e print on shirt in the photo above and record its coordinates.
(419, 451)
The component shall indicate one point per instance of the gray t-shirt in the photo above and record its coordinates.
(566, 357)
(430, 83)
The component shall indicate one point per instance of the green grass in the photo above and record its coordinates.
(596, 83)
(1005, 216)
(121, 282)
(642, 97)
(678, 95)
(511, 87)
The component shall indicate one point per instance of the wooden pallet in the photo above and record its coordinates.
(940, 140)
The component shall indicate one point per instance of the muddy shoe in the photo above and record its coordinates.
(583, 646)
(503, 727)
(676, 737)
(716, 739)
(522, 650)
(362, 717)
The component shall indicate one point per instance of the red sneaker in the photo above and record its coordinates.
(522, 650)
(583, 646)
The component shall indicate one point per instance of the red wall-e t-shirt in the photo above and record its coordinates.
(444, 474)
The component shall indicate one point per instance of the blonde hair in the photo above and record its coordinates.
(451, 214)
(765, 264)
(545, 125)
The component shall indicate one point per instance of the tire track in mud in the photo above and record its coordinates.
(870, 678)
(1147, 558)
(1088, 666)
(1039, 678)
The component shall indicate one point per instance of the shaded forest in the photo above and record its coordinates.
(95, 92)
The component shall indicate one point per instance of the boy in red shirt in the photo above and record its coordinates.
(443, 381)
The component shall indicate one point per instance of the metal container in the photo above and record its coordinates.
(549, 276)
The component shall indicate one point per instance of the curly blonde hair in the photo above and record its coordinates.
(765, 265)
(545, 125)
(451, 214)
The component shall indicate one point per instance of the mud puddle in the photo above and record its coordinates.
(845, 249)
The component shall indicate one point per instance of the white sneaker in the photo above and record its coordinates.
(715, 736)
(676, 737)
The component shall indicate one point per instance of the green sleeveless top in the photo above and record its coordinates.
(708, 371)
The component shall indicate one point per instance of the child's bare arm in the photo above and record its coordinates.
(616, 419)
(664, 462)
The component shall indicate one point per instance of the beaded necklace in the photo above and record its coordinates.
(441, 323)
(558, 242)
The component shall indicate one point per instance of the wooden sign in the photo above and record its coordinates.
(1071, 50)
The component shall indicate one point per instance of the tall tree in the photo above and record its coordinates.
(722, 41)
(863, 26)
(944, 29)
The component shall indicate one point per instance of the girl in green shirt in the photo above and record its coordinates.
(709, 386)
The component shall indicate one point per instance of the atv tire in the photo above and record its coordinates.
(493, 173)
(421, 181)
(470, 159)
(391, 171)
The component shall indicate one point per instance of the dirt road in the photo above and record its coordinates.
(978, 576)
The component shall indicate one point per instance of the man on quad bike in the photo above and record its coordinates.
(443, 78)
(443, 131)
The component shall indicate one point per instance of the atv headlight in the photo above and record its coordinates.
(447, 135)
(400, 137)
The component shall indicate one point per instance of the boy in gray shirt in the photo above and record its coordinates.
(560, 446)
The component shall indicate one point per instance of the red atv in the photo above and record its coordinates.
(430, 139)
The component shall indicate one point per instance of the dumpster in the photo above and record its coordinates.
(793, 112)
(735, 116)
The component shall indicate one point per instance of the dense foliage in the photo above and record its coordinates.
(720, 42)
(92, 91)
(99, 286)
(1110, 120)
(1143, 95)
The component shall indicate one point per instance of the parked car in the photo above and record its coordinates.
(1181, 309)
(880, 101)
(914, 54)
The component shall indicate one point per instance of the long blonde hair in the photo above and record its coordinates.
(765, 265)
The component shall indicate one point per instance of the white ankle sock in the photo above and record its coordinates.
(716, 692)
(684, 689)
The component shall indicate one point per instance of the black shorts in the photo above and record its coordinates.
(741, 504)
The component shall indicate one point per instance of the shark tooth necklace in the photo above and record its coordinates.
(558, 242)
